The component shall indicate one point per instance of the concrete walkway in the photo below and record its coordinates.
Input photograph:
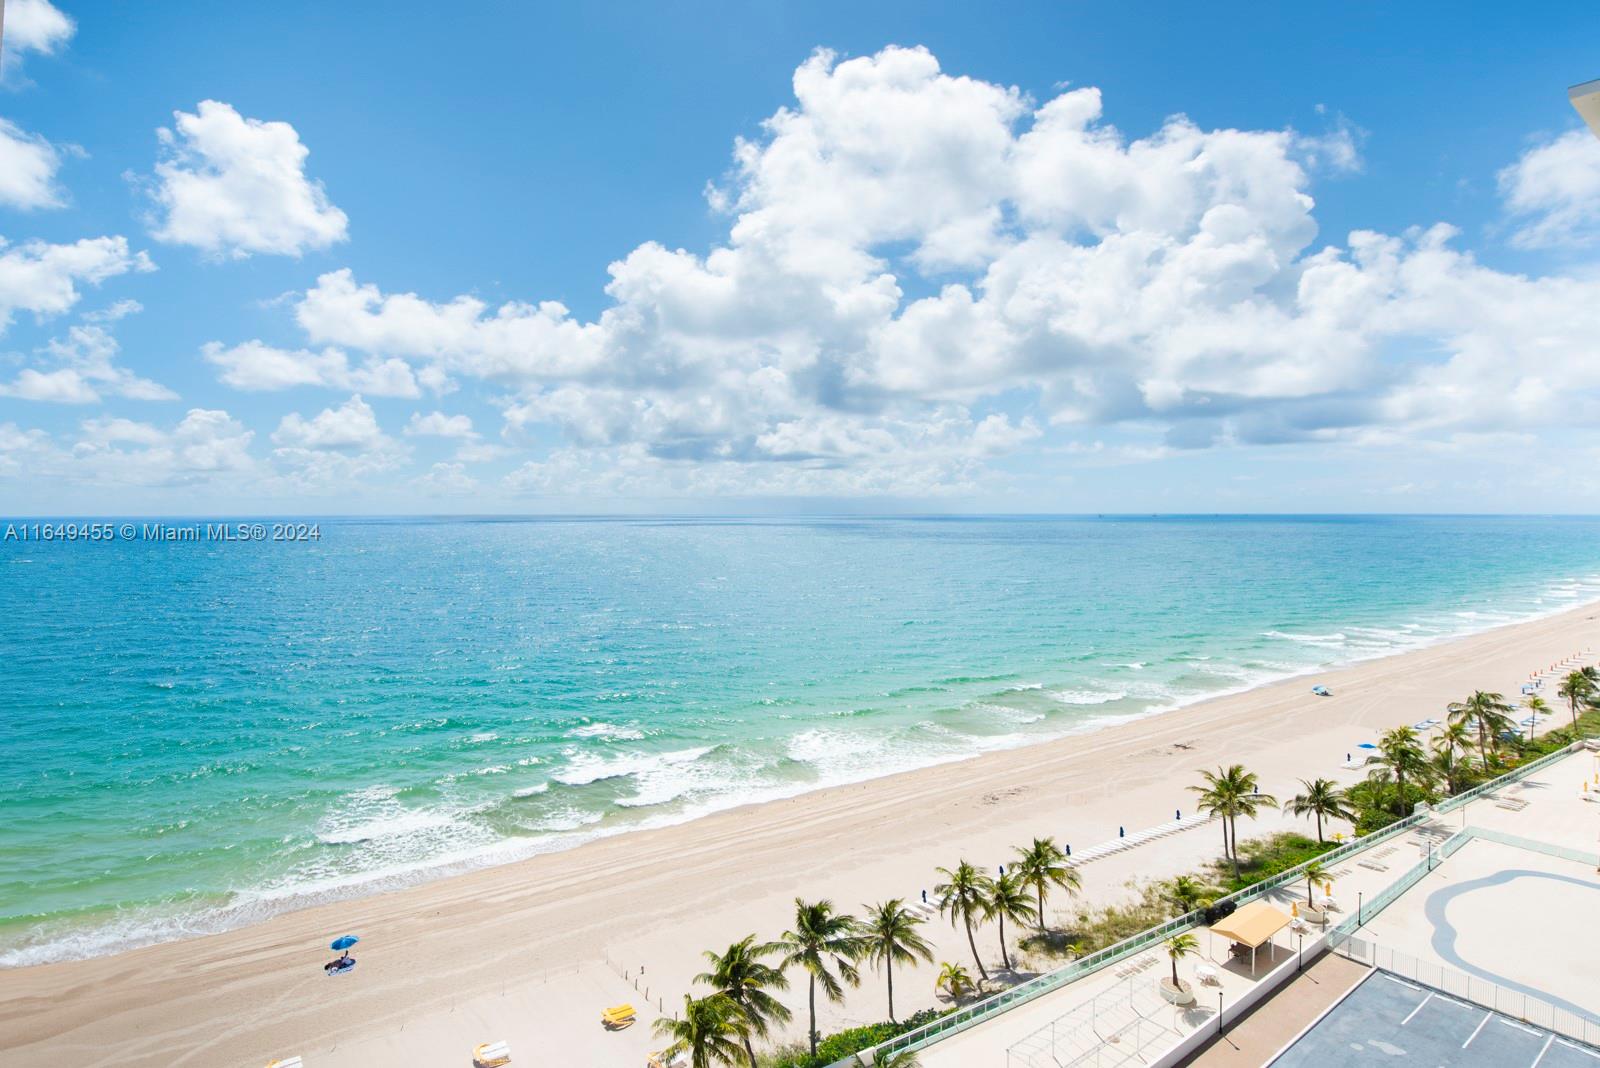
(1263, 1032)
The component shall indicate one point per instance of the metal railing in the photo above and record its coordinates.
(971, 1015)
(1455, 801)
(1480, 992)
(1488, 834)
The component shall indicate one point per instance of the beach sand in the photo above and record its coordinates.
(530, 952)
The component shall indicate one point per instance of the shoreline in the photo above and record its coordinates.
(249, 907)
(450, 957)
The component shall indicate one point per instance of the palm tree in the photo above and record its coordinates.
(1536, 707)
(822, 942)
(1452, 739)
(708, 1032)
(1187, 894)
(889, 936)
(961, 896)
(1230, 793)
(953, 979)
(1579, 689)
(1180, 946)
(1381, 783)
(1315, 872)
(1488, 713)
(1043, 865)
(1213, 800)
(1401, 753)
(743, 978)
(1007, 897)
(1323, 799)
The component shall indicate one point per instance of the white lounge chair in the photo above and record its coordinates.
(287, 1062)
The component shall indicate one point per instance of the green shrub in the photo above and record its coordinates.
(843, 1043)
(1262, 858)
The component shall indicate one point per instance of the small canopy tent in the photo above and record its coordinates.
(1252, 925)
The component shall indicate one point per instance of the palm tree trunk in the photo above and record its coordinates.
(744, 1031)
(1040, 888)
(1234, 856)
(1400, 790)
(1319, 825)
(811, 995)
(1004, 960)
(973, 942)
(888, 971)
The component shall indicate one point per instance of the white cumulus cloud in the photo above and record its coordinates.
(45, 278)
(234, 186)
(925, 273)
(36, 26)
(28, 165)
(1553, 192)
(438, 424)
(258, 367)
(81, 368)
(351, 427)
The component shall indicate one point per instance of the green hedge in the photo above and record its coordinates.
(854, 1040)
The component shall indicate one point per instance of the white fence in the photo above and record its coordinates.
(1471, 988)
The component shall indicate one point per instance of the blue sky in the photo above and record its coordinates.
(808, 257)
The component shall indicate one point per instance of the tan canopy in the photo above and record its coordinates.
(1253, 924)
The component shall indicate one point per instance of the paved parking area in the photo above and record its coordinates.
(1387, 1020)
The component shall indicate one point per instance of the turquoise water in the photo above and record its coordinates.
(197, 735)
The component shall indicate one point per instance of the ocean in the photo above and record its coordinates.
(196, 735)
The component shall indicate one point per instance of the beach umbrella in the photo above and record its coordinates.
(343, 942)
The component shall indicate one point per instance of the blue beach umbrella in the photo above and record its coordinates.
(343, 942)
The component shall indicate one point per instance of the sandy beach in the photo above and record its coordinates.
(530, 952)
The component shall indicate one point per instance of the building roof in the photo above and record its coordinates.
(1586, 98)
(1252, 924)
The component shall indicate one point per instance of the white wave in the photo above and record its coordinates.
(607, 730)
(1309, 639)
(1005, 712)
(337, 831)
(1087, 697)
(585, 768)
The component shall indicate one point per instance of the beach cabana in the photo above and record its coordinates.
(1251, 926)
